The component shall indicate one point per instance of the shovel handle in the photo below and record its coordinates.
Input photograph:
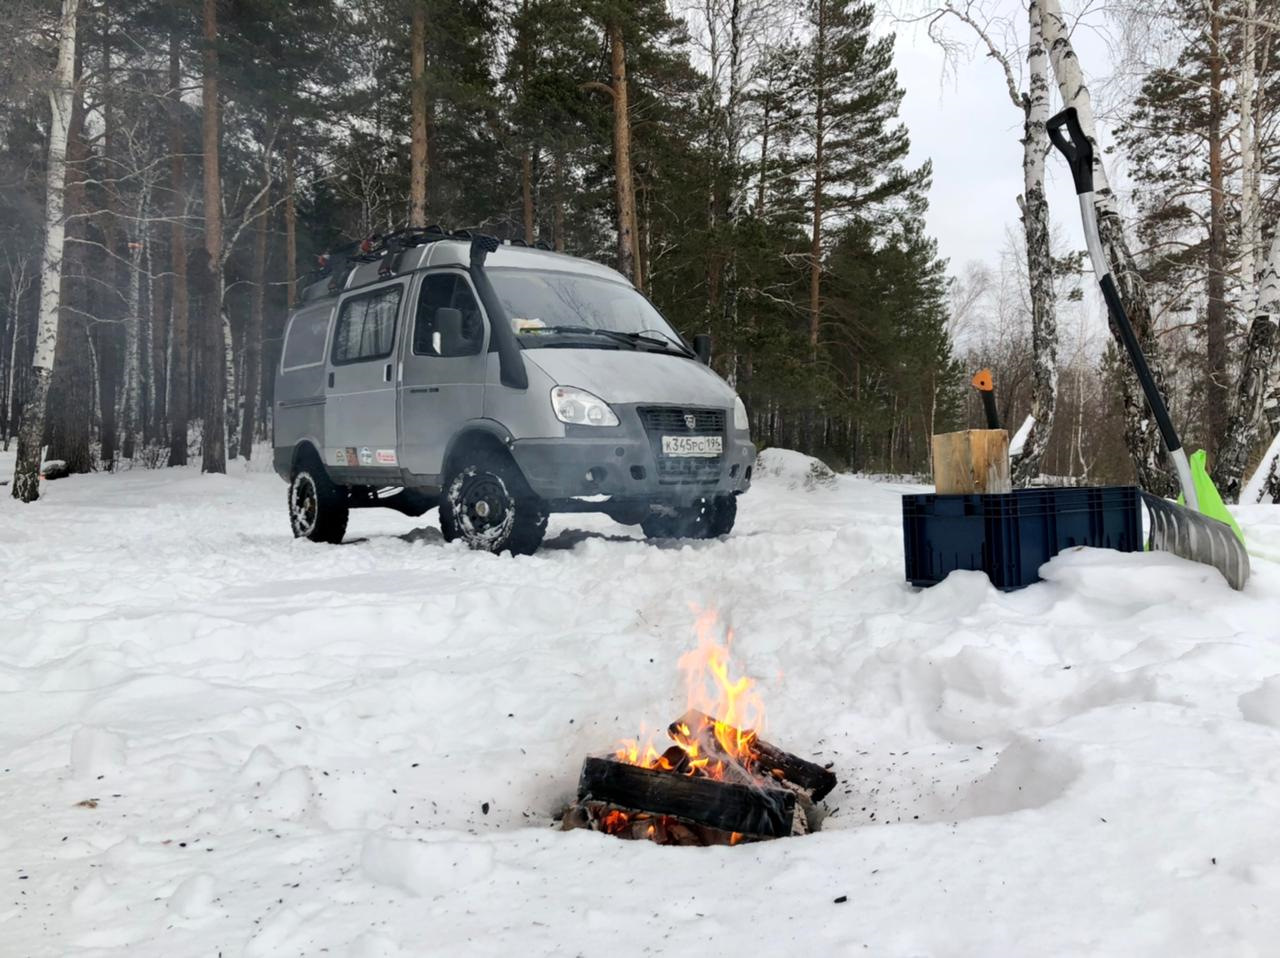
(1077, 149)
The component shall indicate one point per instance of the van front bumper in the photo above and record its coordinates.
(626, 464)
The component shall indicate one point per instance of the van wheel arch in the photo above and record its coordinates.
(305, 452)
(474, 441)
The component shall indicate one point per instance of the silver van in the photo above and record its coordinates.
(500, 383)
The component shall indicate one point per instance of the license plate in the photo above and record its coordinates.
(703, 446)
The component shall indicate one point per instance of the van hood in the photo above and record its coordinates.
(631, 376)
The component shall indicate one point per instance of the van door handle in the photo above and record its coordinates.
(425, 389)
(331, 380)
(386, 373)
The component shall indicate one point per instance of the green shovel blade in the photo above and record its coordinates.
(1210, 502)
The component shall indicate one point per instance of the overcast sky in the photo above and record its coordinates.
(967, 125)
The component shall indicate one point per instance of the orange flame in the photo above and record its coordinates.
(736, 712)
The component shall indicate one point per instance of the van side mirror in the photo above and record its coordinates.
(449, 328)
(702, 346)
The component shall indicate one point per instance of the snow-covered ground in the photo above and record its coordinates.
(217, 740)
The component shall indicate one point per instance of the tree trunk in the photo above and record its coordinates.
(179, 349)
(214, 451)
(1142, 437)
(26, 475)
(629, 262)
(1216, 373)
(1035, 224)
(526, 189)
(155, 372)
(815, 246)
(70, 406)
(253, 332)
(557, 214)
(1250, 221)
(110, 353)
(290, 224)
(234, 397)
(1255, 375)
(418, 109)
(132, 392)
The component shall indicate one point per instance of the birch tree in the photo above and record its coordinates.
(1034, 107)
(26, 476)
(1251, 392)
(1141, 434)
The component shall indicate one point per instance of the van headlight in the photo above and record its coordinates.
(740, 420)
(579, 408)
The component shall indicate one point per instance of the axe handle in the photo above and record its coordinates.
(989, 407)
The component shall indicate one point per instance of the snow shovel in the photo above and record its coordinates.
(1184, 530)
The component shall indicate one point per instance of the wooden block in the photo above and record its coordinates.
(976, 460)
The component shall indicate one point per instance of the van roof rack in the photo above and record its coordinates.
(386, 249)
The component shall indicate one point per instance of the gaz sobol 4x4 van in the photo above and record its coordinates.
(501, 383)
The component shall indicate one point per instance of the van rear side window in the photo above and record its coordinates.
(304, 344)
(367, 326)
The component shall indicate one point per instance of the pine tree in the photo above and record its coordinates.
(849, 97)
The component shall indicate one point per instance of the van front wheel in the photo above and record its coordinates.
(488, 505)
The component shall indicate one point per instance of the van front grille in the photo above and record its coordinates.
(659, 421)
(672, 421)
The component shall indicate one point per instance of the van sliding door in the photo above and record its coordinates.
(360, 407)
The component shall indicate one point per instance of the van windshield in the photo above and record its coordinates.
(555, 309)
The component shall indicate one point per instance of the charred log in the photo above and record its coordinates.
(761, 812)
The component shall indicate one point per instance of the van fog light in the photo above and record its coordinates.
(580, 408)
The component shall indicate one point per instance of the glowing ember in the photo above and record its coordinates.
(716, 739)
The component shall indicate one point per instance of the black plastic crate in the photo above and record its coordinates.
(1010, 535)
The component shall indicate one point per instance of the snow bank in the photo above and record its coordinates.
(218, 739)
(794, 470)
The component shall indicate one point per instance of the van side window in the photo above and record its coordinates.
(304, 345)
(440, 291)
(367, 326)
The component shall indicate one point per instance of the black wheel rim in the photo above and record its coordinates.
(483, 509)
(485, 502)
(304, 504)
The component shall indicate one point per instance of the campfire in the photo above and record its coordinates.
(717, 782)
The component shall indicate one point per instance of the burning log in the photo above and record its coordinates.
(812, 778)
(760, 812)
(718, 784)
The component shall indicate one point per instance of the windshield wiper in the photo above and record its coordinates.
(617, 336)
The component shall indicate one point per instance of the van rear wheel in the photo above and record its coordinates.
(488, 505)
(317, 508)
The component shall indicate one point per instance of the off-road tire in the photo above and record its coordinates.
(704, 518)
(317, 508)
(514, 519)
(724, 514)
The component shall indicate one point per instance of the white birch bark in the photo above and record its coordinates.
(130, 393)
(233, 398)
(1249, 220)
(1258, 398)
(1035, 220)
(26, 476)
(1142, 437)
